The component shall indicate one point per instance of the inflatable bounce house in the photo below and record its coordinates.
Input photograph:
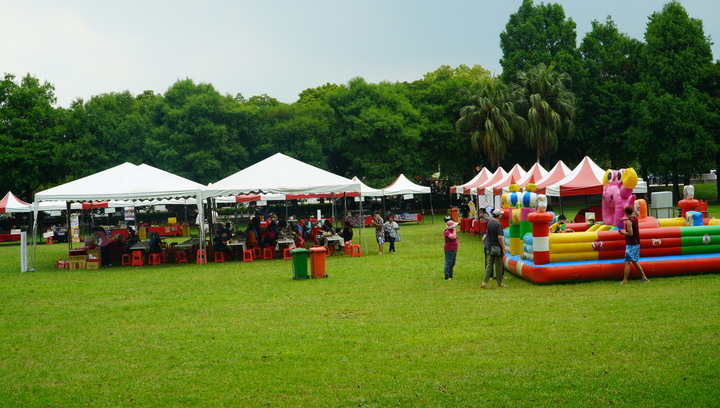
(688, 244)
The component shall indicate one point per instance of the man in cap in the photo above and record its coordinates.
(494, 249)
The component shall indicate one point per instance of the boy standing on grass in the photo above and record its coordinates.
(451, 247)
(632, 244)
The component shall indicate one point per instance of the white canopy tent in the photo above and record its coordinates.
(281, 174)
(402, 186)
(367, 191)
(128, 182)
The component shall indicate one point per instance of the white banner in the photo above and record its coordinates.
(23, 252)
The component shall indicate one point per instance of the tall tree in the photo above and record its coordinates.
(195, 137)
(378, 132)
(610, 59)
(672, 114)
(106, 131)
(439, 97)
(32, 148)
(548, 106)
(539, 34)
(490, 119)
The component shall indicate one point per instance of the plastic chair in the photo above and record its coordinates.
(347, 249)
(286, 254)
(137, 259)
(268, 253)
(356, 251)
(219, 256)
(180, 257)
(248, 255)
(154, 259)
(256, 252)
(126, 260)
(201, 257)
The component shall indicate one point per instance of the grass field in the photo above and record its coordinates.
(381, 331)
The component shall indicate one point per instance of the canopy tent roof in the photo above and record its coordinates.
(10, 203)
(281, 174)
(536, 173)
(585, 179)
(512, 176)
(367, 191)
(479, 178)
(124, 182)
(497, 176)
(557, 173)
(402, 185)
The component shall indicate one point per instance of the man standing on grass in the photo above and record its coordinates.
(632, 244)
(494, 250)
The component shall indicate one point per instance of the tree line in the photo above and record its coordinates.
(651, 104)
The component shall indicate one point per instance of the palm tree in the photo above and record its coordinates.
(548, 106)
(490, 120)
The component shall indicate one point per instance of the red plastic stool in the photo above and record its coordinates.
(286, 254)
(356, 250)
(49, 240)
(137, 259)
(256, 252)
(219, 256)
(154, 259)
(347, 250)
(268, 253)
(126, 260)
(201, 257)
(180, 257)
(248, 255)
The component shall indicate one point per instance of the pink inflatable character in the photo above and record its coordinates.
(617, 194)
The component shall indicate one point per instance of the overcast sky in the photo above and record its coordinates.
(279, 47)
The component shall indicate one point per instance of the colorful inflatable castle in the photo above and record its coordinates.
(688, 244)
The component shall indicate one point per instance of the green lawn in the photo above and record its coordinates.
(381, 331)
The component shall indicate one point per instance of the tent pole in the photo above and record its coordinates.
(34, 236)
(362, 224)
(432, 210)
(67, 220)
(562, 211)
(201, 212)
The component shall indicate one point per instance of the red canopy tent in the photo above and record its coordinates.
(536, 172)
(481, 177)
(495, 177)
(10, 203)
(559, 172)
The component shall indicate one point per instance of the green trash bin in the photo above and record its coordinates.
(299, 262)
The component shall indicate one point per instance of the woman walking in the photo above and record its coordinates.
(391, 232)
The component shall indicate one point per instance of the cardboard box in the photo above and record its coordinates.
(93, 264)
(77, 264)
(97, 253)
(78, 257)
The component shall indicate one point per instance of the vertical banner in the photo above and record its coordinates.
(129, 213)
(75, 228)
(23, 252)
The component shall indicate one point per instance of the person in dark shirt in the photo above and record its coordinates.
(494, 250)
(631, 231)
(220, 244)
(347, 232)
